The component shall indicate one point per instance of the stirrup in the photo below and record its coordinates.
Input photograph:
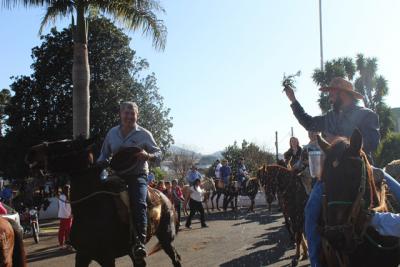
(139, 251)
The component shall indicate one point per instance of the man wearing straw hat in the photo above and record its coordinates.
(341, 120)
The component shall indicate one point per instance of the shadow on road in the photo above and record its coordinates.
(47, 253)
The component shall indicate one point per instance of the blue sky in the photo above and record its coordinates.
(222, 68)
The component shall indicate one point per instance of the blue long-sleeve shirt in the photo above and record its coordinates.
(225, 173)
(343, 123)
(139, 137)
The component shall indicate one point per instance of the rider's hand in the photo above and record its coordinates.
(290, 94)
(143, 155)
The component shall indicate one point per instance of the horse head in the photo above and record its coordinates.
(349, 189)
(64, 156)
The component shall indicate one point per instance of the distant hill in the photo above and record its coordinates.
(178, 150)
(204, 161)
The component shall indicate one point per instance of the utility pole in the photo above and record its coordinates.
(320, 36)
(276, 146)
(291, 130)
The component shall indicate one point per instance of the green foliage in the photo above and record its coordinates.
(341, 67)
(133, 15)
(254, 156)
(5, 97)
(290, 80)
(389, 149)
(363, 73)
(159, 174)
(41, 107)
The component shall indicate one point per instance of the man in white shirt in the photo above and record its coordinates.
(217, 168)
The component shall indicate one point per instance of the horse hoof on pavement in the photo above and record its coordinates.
(295, 262)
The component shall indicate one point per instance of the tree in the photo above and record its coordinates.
(363, 73)
(132, 14)
(41, 109)
(5, 96)
(254, 156)
(388, 150)
(181, 161)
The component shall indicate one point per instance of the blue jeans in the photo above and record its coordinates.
(137, 189)
(311, 216)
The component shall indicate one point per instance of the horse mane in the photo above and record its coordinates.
(377, 197)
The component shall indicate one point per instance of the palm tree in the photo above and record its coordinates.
(133, 14)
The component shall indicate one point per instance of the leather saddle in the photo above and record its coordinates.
(116, 184)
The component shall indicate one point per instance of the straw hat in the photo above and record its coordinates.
(339, 83)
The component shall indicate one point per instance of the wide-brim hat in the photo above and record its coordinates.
(125, 158)
(338, 83)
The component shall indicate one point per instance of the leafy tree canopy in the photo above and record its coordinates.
(254, 156)
(363, 73)
(389, 149)
(41, 107)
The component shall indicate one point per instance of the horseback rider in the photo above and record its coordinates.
(341, 120)
(192, 175)
(241, 173)
(293, 154)
(225, 172)
(130, 134)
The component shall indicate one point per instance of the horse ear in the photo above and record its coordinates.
(323, 144)
(356, 142)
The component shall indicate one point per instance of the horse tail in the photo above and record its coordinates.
(167, 227)
(19, 255)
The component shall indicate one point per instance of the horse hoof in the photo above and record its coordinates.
(295, 262)
(304, 257)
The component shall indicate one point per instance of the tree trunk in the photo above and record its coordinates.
(80, 77)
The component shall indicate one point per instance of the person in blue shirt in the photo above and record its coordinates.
(225, 172)
(130, 134)
(344, 117)
(193, 175)
(150, 178)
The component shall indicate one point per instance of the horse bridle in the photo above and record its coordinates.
(348, 228)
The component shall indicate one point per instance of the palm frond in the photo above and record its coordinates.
(139, 15)
(59, 8)
(12, 4)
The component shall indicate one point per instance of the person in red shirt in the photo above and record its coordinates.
(3, 210)
(177, 199)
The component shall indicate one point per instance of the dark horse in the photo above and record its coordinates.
(219, 190)
(12, 252)
(294, 199)
(350, 193)
(251, 188)
(99, 231)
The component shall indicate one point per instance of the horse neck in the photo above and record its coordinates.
(85, 182)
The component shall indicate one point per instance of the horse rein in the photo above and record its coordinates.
(88, 197)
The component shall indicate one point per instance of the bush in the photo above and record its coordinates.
(159, 174)
(388, 150)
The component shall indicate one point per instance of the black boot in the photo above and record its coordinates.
(139, 249)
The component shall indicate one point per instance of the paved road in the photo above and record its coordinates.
(257, 239)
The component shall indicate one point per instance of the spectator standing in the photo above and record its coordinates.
(195, 204)
(177, 199)
(65, 216)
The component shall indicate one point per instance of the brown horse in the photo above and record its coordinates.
(12, 252)
(350, 193)
(294, 199)
(101, 229)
